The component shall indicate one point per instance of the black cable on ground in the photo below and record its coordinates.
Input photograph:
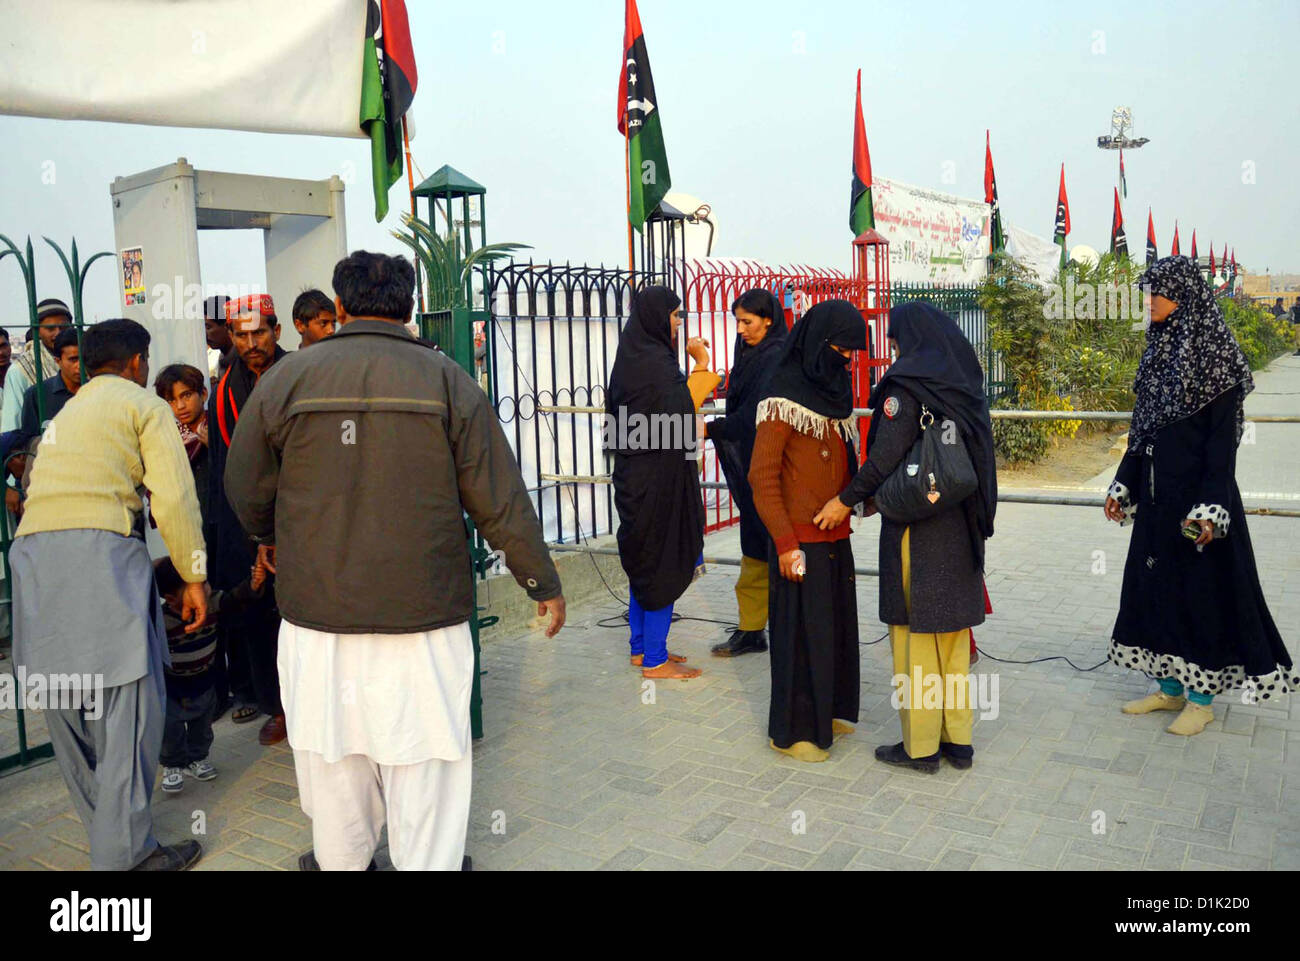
(622, 619)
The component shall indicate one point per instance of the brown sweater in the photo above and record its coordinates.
(793, 475)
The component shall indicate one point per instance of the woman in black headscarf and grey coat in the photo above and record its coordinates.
(931, 571)
(651, 430)
(1192, 614)
(761, 330)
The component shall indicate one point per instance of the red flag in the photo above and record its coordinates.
(400, 78)
(1234, 260)
(1118, 242)
(1194, 243)
(631, 34)
(1175, 250)
(1062, 214)
(1211, 260)
(862, 215)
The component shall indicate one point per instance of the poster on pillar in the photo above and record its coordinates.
(934, 238)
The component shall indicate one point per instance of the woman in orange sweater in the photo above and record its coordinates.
(804, 453)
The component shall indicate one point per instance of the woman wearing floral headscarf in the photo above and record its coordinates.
(1192, 614)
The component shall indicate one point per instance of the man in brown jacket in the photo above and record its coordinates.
(357, 460)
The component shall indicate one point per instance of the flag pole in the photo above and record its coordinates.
(627, 173)
(410, 183)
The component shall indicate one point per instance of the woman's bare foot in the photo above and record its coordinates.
(801, 751)
(839, 727)
(636, 659)
(671, 670)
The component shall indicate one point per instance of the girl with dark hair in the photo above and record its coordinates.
(804, 448)
(656, 473)
(761, 330)
(1191, 614)
(931, 571)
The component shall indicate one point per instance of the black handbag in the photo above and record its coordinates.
(933, 477)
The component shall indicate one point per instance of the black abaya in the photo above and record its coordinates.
(656, 489)
(814, 652)
(1196, 616)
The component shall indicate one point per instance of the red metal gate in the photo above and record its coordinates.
(711, 287)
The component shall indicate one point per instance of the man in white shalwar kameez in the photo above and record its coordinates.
(353, 465)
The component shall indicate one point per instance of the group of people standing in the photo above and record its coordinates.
(788, 445)
(313, 517)
(1192, 613)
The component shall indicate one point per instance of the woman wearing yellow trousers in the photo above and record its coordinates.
(931, 570)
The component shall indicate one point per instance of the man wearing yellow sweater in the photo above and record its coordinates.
(84, 596)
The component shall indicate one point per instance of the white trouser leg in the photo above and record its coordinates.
(345, 802)
(428, 813)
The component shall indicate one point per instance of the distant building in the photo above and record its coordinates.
(1267, 288)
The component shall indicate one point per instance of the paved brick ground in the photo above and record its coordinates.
(583, 767)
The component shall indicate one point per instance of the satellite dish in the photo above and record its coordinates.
(1084, 254)
(701, 230)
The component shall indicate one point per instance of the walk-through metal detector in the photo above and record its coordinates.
(157, 215)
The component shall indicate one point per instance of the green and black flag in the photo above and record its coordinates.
(387, 90)
(861, 215)
(997, 239)
(638, 121)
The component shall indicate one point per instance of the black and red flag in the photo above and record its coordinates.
(1175, 250)
(997, 239)
(1118, 242)
(638, 121)
(862, 216)
(1062, 217)
(1194, 257)
(1151, 239)
(387, 90)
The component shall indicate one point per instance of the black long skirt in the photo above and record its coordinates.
(814, 646)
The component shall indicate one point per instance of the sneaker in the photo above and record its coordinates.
(201, 770)
(173, 780)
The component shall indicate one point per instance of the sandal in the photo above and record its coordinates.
(244, 713)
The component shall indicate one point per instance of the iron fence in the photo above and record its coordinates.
(552, 334)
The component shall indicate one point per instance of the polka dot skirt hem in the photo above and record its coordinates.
(1196, 678)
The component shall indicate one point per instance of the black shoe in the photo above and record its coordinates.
(896, 754)
(741, 642)
(959, 755)
(180, 857)
(308, 862)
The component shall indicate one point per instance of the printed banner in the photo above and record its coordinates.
(934, 238)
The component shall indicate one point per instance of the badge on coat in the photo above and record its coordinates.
(891, 407)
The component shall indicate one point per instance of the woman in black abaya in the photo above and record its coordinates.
(656, 477)
(761, 330)
(1192, 614)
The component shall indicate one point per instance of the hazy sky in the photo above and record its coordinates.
(757, 100)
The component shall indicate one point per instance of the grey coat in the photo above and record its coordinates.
(947, 589)
(359, 458)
